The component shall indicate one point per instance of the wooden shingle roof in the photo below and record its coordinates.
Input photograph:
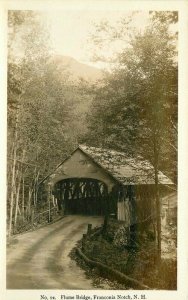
(125, 169)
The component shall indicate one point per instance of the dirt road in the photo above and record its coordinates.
(39, 259)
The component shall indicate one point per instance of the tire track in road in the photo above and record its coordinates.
(31, 252)
(22, 278)
(62, 268)
(41, 267)
(30, 240)
(45, 264)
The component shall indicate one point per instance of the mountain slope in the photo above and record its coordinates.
(76, 69)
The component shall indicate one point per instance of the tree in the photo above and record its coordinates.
(135, 107)
(39, 101)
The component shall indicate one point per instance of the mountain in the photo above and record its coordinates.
(77, 70)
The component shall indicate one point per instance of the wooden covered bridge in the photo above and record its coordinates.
(94, 181)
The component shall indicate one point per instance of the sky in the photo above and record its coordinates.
(70, 31)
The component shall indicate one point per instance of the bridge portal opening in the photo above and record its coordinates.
(84, 196)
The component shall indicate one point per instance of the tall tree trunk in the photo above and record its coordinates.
(14, 151)
(49, 204)
(23, 198)
(35, 189)
(29, 202)
(19, 179)
(17, 202)
(157, 196)
(34, 180)
(12, 193)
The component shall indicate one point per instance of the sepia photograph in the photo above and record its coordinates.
(92, 149)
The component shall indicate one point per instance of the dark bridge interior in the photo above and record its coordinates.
(81, 196)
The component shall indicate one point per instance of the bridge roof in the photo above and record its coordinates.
(123, 168)
(126, 170)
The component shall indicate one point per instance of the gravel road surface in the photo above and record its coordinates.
(39, 259)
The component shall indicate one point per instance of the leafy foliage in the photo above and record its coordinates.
(137, 102)
(42, 111)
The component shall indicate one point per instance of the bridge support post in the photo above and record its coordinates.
(84, 241)
(89, 227)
